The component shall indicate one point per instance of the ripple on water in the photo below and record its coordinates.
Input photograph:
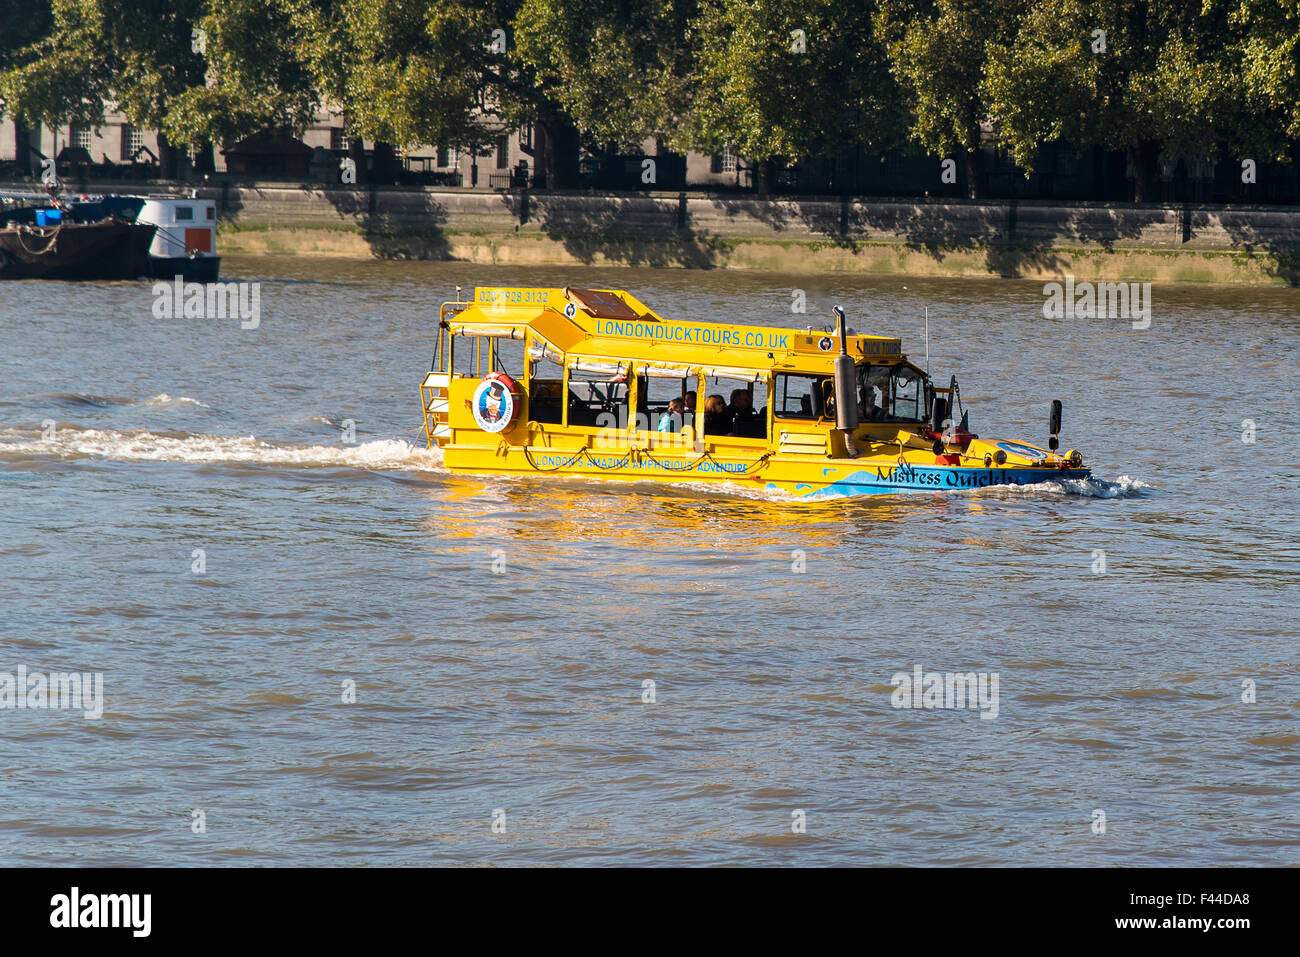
(656, 674)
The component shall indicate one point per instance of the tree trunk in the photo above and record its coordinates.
(167, 165)
(385, 163)
(541, 156)
(562, 152)
(24, 138)
(205, 158)
(357, 153)
(765, 176)
(973, 163)
(1143, 157)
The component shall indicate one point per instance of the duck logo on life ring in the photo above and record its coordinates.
(825, 344)
(494, 404)
(570, 310)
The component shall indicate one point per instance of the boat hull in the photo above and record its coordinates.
(76, 251)
(800, 477)
(190, 269)
(913, 478)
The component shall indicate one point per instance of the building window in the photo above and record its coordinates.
(503, 152)
(80, 137)
(444, 157)
(132, 140)
(724, 162)
(338, 138)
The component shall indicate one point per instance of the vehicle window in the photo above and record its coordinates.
(546, 391)
(907, 395)
(735, 408)
(465, 355)
(507, 356)
(798, 396)
(184, 213)
(654, 393)
(890, 393)
(597, 399)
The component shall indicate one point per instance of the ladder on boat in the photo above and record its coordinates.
(434, 401)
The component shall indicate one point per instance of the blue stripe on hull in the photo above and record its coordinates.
(897, 478)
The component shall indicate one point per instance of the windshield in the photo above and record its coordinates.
(893, 393)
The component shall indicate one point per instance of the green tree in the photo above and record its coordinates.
(135, 54)
(447, 74)
(46, 73)
(257, 74)
(1134, 75)
(1264, 117)
(937, 53)
(781, 80)
(620, 69)
(27, 23)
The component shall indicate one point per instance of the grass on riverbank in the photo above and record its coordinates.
(872, 257)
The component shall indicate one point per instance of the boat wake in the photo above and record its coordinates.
(140, 445)
(1123, 487)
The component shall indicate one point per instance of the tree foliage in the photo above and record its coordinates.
(768, 79)
(256, 74)
(621, 70)
(787, 79)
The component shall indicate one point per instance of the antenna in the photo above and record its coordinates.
(927, 340)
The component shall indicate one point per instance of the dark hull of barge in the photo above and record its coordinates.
(76, 251)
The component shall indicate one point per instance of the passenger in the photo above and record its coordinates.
(671, 420)
(743, 418)
(870, 411)
(690, 402)
(716, 420)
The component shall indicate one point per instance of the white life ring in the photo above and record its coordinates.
(495, 403)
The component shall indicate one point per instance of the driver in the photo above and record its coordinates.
(867, 405)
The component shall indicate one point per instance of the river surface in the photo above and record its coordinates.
(185, 513)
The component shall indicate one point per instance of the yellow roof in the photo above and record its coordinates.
(612, 324)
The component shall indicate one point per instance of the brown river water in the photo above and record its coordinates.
(185, 516)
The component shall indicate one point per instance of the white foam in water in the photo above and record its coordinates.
(1122, 487)
(144, 446)
(162, 398)
(399, 455)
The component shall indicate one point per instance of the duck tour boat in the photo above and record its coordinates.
(591, 382)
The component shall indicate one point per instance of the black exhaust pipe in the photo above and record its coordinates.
(846, 393)
(938, 413)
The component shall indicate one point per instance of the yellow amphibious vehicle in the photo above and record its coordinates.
(592, 382)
